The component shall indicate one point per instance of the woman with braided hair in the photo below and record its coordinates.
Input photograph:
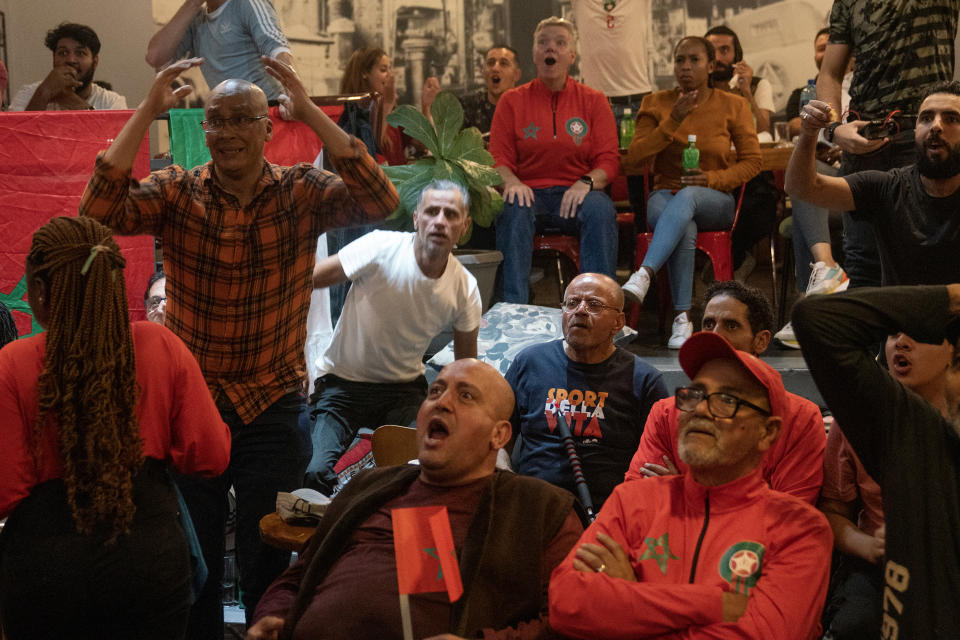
(91, 414)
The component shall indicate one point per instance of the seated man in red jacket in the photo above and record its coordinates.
(794, 464)
(509, 532)
(713, 553)
(555, 146)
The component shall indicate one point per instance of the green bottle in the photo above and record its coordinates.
(627, 126)
(691, 156)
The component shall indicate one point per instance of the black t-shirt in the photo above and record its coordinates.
(605, 404)
(918, 235)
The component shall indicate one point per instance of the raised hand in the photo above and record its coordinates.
(294, 99)
(162, 97)
(686, 102)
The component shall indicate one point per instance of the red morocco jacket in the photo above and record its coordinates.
(688, 543)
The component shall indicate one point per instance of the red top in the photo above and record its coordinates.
(845, 480)
(179, 423)
(551, 138)
(794, 464)
(767, 545)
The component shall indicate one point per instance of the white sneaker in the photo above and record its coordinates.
(635, 289)
(824, 279)
(786, 338)
(682, 329)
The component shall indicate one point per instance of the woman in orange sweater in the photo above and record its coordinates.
(680, 205)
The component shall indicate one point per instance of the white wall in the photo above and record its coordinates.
(124, 28)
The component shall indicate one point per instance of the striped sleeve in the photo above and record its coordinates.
(264, 27)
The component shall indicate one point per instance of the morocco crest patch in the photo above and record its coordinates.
(741, 565)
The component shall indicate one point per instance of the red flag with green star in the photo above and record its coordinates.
(426, 559)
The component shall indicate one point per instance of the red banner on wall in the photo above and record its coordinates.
(46, 158)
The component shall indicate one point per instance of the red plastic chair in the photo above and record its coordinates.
(569, 246)
(716, 244)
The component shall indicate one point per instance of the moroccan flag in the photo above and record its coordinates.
(426, 559)
(46, 158)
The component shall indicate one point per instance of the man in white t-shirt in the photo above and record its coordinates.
(406, 288)
(69, 85)
(616, 61)
(730, 69)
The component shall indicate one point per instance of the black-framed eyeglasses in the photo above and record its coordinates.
(720, 405)
(216, 125)
(593, 305)
(154, 301)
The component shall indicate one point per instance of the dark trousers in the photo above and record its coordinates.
(263, 460)
(861, 259)
(342, 407)
(56, 583)
(853, 610)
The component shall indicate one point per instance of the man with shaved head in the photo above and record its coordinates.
(604, 393)
(509, 532)
(239, 236)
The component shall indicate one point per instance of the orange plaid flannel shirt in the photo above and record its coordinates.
(239, 279)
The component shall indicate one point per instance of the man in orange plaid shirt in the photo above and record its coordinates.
(239, 236)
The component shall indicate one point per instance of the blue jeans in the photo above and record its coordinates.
(263, 461)
(811, 225)
(342, 407)
(861, 256)
(596, 222)
(675, 219)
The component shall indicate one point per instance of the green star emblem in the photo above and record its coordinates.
(432, 552)
(659, 550)
(531, 131)
(15, 302)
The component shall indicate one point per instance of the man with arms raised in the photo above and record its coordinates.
(908, 443)
(407, 288)
(604, 393)
(239, 236)
(794, 463)
(712, 553)
(509, 532)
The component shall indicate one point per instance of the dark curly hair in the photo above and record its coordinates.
(79, 32)
(87, 390)
(759, 311)
(8, 328)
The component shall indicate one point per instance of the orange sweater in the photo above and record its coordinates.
(722, 118)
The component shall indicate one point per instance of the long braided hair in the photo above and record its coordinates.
(88, 386)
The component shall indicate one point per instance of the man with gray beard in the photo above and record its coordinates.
(908, 444)
(714, 552)
(913, 209)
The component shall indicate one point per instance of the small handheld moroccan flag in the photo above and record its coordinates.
(426, 559)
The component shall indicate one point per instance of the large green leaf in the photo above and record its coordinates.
(409, 191)
(416, 125)
(481, 173)
(448, 119)
(469, 146)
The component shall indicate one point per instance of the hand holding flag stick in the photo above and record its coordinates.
(426, 558)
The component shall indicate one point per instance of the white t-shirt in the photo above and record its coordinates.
(393, 310)
(763, 94)
(613, 45)
(99, 98)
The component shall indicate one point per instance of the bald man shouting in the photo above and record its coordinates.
(603, 391)
(509, 531)
(239, 236)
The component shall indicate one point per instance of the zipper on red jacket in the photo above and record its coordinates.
(703, 532)
(554, 101)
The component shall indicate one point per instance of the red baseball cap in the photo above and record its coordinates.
(704, 346)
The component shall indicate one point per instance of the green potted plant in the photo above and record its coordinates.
(455, 154)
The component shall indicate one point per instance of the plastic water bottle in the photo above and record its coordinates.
(691, 156)
(808, 93)
(627, 127)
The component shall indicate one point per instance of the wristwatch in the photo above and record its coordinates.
(588, 180)
(831, 128)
